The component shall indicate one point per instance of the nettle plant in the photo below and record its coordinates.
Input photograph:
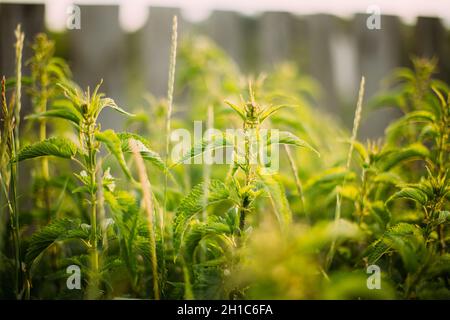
(82, 111)
(414, 246)
(202, 243)
(262, 220)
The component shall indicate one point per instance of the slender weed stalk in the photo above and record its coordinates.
(20, 36)
(206, 164)
(356, 122)
(46, 71)
(298, 183)
(149, 208)
(6, 145)
(170, 88)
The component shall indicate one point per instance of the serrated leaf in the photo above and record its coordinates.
(236, 108)
(58, 147)
(193, 203)
(270, 111)
(57, 230)
(381, 214)
(404, 238)
(114, 145)
(439, 95)
(332, 176)
(200, 231)
(108, 102)
(360, 149)
(389, 99)
(288, 138)
(324, 232)
(410, 193)
(390, 158)
(277, 195)
(59, 112)
(144, 148)
(443, 216)
(212, 143)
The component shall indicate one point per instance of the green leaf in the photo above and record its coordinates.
(360, 149)
(58, 147)
(288, 138)
(212, 143)
(61, 113)
(277, 195)
(195, 202)
(114, 145)
(325, 232)
(388, 99)
(271, 110)
(399, 127)
(410, 193)
(57, 230)
(331, 176)
(404, 238)
(442, 217)
(108, 102)
(392, 157)
(144, 148)
(439, 95)
(236, 108)
(414, 116)
(381, 214)
(199, 232)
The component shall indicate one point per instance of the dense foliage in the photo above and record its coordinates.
(140, 224)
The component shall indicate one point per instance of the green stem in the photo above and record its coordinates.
(298, 183)
(15, 141)
(15, 227)
(91, 168)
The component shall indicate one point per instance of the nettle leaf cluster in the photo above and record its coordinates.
(142, 225)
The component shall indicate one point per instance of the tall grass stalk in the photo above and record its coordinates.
(170, 87)
(149, 208)
(20, 36)
(206, 164)
(298, 183)
(356, 122)
(6, 137)
(101, 206)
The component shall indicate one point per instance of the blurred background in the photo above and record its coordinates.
(127, 42)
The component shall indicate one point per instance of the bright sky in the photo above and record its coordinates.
(132, 16)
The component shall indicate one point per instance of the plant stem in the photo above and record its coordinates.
(298, 183)
(337, 215)
(148, 203)
(91, 168)
(20, 36)
(15, 141)
(170, 87)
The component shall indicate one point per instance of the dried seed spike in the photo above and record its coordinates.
(356, 121)
(149, 208)
(4, 104)
(250, 90)
(20, 37)
(171, 81)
